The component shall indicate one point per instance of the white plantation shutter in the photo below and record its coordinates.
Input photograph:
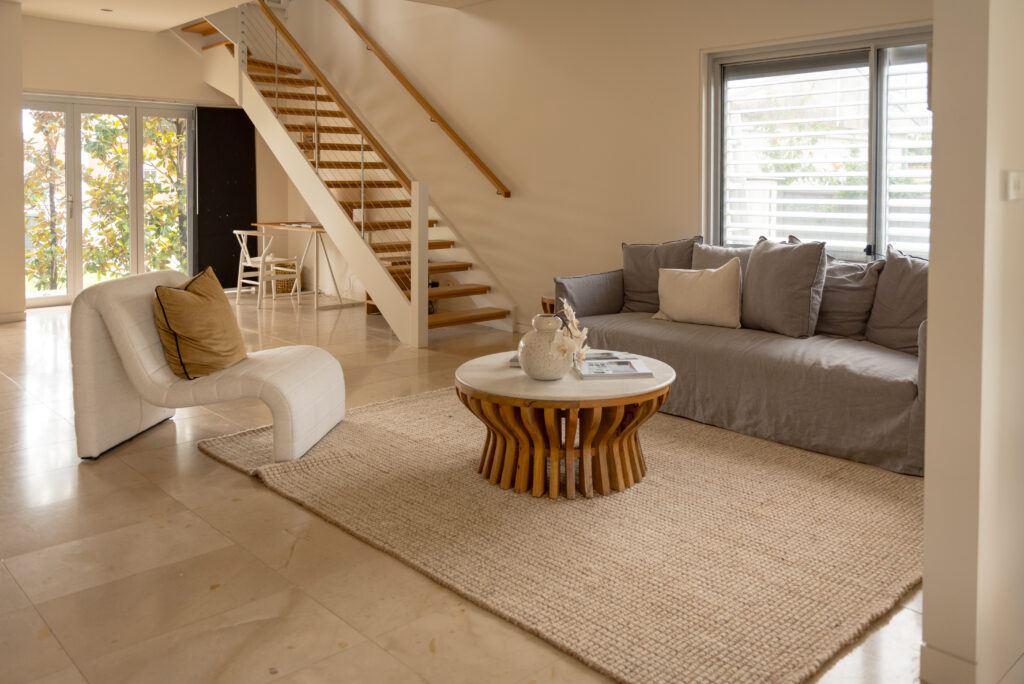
(908, 150)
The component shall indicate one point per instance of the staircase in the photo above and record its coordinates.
(356, 189)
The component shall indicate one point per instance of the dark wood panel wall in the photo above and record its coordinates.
(225, 188)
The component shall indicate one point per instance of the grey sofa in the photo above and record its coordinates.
(834, 395)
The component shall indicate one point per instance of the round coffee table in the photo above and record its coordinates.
(535, 425)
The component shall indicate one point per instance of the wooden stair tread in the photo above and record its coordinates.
(450, 291)
(218, 44)
(457, 290)
(283, 80)
(310, 128)
(352, 165)
(390, 225)
(202, 27)
(336, 147)
(292, 95)
(434, 267)
(447, 318)
(363, 184)
(265, 66)
(376, 204)
(399, 247)
(295, 111)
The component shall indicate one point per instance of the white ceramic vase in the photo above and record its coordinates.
(546, 353)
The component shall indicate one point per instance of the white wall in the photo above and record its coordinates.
(589, 110)
(61, 57)
(1001, 479)
(12, 221)
(974, 489)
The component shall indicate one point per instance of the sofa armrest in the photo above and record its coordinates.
(591, 295)
(922, 356)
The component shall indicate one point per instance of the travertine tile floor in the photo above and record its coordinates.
(157, 564)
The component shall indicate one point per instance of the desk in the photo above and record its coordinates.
(315, 236)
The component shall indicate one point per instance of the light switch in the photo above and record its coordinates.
(1014, 185)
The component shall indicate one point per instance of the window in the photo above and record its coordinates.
(832, 146)
(106, 192)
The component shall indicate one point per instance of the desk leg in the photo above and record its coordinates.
(298, 268)
(330, 269)
(316, 273)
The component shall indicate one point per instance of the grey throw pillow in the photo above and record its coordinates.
(847, 296)
(901, 302)
(712, 256)
(640, 264)
(591, 295)
(782, 287)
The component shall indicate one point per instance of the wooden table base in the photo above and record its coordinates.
(528, 441)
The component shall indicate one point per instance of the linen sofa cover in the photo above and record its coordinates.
(833, 395)
(123, 385)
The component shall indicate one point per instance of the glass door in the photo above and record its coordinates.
(44, 139)
(107, 193)
(165, 191)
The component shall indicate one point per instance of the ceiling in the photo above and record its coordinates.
(141, 15)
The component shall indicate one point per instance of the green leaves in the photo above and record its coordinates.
(106, 179)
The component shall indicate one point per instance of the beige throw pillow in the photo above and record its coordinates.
(708, 297)
(197, 327)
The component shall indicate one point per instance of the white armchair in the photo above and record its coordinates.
(123, 385)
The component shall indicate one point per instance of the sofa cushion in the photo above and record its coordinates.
(640, 264)
(782, 287)
(594, 293)
(847, 296)
(832, 395)
(901, 302)
(710, 296)
(197, 327)
(713, 256)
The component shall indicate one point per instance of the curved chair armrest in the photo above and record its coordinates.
(591, 295)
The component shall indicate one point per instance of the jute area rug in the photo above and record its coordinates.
(734, 560)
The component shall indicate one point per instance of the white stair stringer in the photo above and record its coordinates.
(389, 299)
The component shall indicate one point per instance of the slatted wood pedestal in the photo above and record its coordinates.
(571, 435)
(538, 446)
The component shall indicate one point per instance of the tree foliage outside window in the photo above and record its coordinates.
(163, 173)
(45, 193)
(106, 213)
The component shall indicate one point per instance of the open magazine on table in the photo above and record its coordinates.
(605, 364)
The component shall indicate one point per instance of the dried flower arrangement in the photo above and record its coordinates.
(574, 338)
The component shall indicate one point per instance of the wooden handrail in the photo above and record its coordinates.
(338, 99)
(372, 46)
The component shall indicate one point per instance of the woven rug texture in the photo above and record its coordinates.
(735, 559)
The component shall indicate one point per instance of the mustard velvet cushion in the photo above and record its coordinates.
(707, 296)
(197, 327)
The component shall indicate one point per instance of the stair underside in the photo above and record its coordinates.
(202, 27)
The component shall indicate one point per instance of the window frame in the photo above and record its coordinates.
(73, 107)
(714, 64)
